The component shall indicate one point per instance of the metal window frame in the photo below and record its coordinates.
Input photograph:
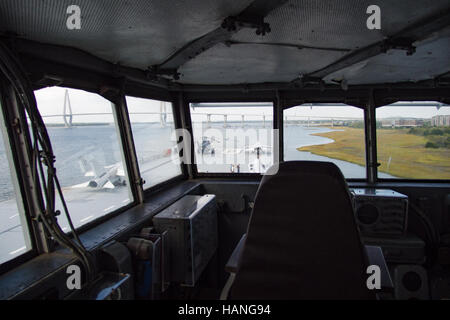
(395, 180)
(127, 146)
(120, 127)
(18, 146)
(188, 121)
(370, 124)
(128, 149)
(131, 146)
(366, 139)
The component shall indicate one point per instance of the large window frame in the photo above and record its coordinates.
(39, 242)
(177, 124)
(279, 105)
(399, 180)
(120, 118)
(238, 176)
(370, 136)
(332, 104)
(18, 147)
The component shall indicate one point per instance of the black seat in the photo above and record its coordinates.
(302, 240)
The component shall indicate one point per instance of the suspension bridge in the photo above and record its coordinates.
(217, 117)
(68, 116)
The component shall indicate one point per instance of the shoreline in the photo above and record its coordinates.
(400, 154)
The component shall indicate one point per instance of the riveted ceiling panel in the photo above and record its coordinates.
(430, 59)
(247, 63)
(143, 33)
(340, 23)
(136, 33)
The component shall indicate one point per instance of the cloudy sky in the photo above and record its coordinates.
(51, 103)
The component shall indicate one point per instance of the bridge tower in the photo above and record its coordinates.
(163, 113)
(67, 112)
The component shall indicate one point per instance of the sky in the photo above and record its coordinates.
(51, 102)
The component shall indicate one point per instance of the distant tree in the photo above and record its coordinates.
(357, 124)
(431, 145)
(437, 132)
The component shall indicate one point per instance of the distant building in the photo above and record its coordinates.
(441, 121)
(388, 123)
(409, 123)
(402, 123)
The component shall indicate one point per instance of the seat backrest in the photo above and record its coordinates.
(302, 240)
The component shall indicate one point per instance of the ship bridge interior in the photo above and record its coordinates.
(223, 149)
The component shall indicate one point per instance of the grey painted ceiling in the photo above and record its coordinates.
(140, 34)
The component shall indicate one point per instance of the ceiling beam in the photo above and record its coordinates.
(402, 40)
(251, 17)
(288, 45)
(62, 57)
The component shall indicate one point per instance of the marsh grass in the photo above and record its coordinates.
(400, 153)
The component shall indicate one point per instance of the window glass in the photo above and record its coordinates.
(89, 158)
(153, 128)
(14, 235)
(233, 137)
(326, 133)
(413, 140)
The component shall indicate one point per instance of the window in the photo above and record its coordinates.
(14, 235)
(413, 140)
(89, 158)
(326, 133)
(153, 128)
(233, 137)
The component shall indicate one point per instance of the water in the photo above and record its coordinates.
(98, 147)
(299, 136)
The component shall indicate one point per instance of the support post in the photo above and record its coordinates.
(371, 139)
